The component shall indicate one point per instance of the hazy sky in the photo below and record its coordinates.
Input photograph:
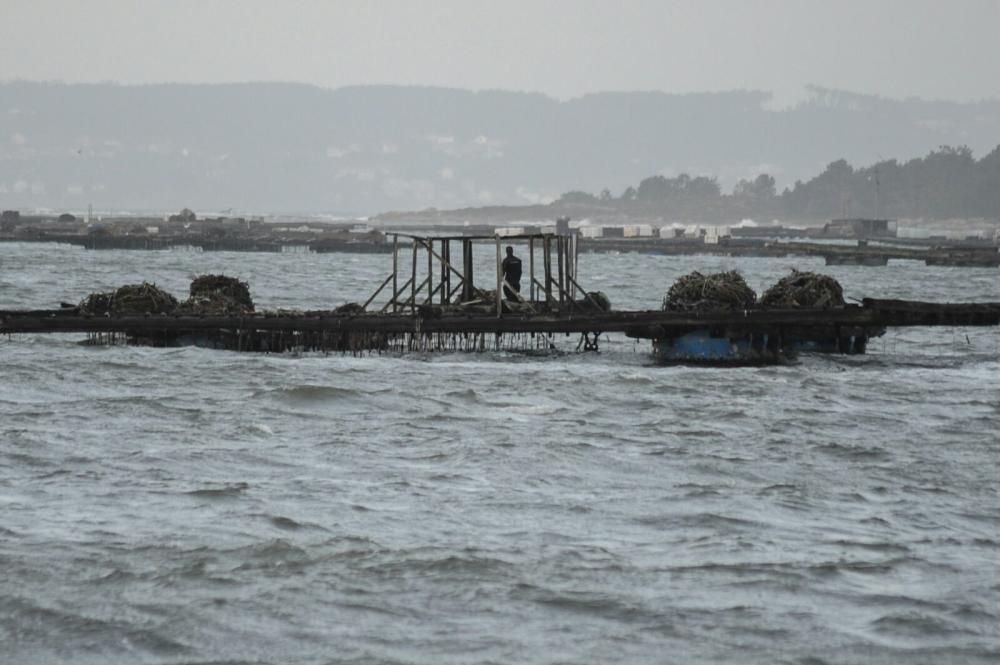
(947, 49)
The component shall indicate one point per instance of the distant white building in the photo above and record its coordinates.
(713, 234)
(638, 231)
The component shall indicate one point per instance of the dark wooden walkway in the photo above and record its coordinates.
(871, 313)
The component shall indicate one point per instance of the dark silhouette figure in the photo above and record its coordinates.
(512, 274)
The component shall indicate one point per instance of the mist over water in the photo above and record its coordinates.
(195, 506)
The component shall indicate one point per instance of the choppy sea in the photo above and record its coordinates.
(186, 505)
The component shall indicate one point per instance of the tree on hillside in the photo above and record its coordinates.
(761, 188)
(578, 198)
(987, 187)
(653, 189)
(702, 187)
(947, 183)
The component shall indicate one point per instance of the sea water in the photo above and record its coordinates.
(185, 505)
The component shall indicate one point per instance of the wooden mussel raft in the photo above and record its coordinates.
(737, 343)
(431, 302)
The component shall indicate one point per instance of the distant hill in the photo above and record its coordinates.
(288, 147)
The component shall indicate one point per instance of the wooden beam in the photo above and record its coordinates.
(413, 277)
(531, 269)
(395, 269)
(547, 261)
(586, 295)
(468, 287)
(559, 260)
(445, 274)
(499, 281)
(394, 303)
(377, 291)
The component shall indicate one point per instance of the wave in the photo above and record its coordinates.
(918, 625)
(584, 603)
(41, 628)
(308, 393)
(226, 491)
(285, 523)
(698, 521)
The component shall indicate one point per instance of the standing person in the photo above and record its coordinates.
(511, 274)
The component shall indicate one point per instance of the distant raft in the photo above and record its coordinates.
(804, 289)
(695, 291)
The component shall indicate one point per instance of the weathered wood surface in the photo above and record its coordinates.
(918, 313)
(643, 324)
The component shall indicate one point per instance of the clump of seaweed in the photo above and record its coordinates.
(131, 299)
(804, 289)
(218, 295)
(695, 291)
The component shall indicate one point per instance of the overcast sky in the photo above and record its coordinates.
(945, 49)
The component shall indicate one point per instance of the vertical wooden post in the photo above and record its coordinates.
(570, 261)
(467, 285)
(499, 281)
(531, 269)
(445, 273)
(395, 270)
(430, 271)
(576, 256)
(547, 263)
(559, 260)
(413, 278)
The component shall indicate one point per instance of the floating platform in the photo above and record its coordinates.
(434, 304)
(719, 336)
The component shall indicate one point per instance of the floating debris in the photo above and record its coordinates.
(695, 291)
(804, 289)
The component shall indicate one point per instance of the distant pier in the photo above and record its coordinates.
(861, 253)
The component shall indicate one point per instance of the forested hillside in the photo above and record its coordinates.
(289, 147)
